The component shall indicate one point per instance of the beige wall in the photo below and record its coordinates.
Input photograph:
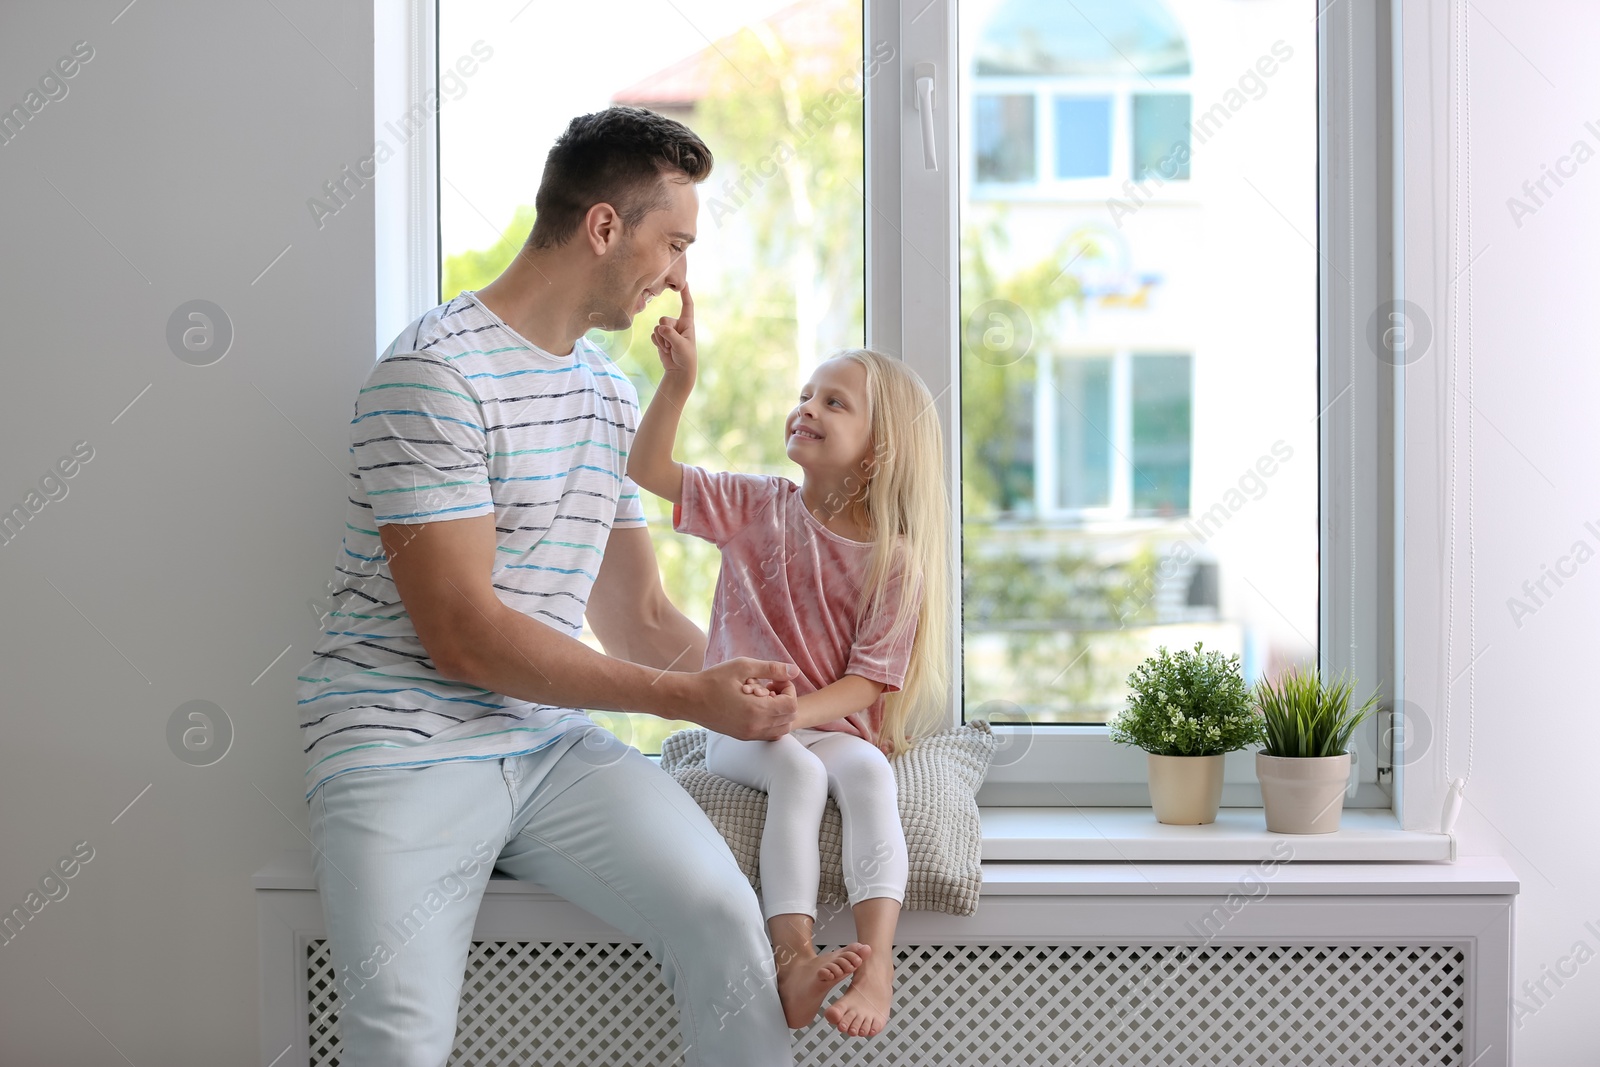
(180, 561)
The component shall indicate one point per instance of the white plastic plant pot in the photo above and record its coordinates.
(1185, 790)
(1303, 795)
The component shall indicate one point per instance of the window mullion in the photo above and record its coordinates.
(912, 242)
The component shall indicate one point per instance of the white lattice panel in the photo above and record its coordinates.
(601, 1004)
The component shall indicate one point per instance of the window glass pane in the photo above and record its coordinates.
(1083, 136)
(1177, 483)
(1161, 135)
(1083, 432)
(1003, 137)
(774, 89)
(1162, 397)
(998, 420)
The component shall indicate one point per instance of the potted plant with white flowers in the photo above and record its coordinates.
(1305, 767)
(1187, 711)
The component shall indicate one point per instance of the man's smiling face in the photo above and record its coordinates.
(649, 258)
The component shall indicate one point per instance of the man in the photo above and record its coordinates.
(489, 514)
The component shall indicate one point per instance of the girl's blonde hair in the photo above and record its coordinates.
(909, 513)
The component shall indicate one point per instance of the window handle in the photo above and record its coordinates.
(923, 75)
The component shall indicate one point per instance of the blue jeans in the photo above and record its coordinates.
(403, 855)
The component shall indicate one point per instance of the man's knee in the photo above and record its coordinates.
(724, 899)
(729, 918)
(714, 906)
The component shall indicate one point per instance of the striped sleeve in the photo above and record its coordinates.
(630, 510)
(419, 443)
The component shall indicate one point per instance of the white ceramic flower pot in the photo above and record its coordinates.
(1185, 790)
(1303, 795)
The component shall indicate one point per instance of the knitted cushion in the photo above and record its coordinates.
(938, 781)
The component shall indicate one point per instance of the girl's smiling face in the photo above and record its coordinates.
(829, 430)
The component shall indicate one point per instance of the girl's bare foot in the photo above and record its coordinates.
(863, 1010)
(804, 980)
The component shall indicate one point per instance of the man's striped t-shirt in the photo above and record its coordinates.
(463, 417)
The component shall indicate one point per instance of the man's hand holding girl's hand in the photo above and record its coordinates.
(758, 687)
(674, 341)
(721, 699)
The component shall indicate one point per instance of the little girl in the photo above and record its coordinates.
(845, 577)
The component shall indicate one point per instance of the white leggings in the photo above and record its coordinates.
(797, 772)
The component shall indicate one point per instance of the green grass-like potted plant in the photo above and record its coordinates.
(1305, 766)
(1187, 711)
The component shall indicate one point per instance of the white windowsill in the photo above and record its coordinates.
(1468, 876)
(1098, 851)
(1114, 835)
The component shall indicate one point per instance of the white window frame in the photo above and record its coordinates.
(912, 310)
(405, 38)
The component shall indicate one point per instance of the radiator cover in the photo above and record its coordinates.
(1311, 1005)
(1074, 964)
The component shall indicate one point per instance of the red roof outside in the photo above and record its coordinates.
(809, 30)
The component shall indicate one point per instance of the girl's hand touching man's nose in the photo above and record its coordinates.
(674, 341)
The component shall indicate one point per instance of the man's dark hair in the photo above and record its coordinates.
(621, 156)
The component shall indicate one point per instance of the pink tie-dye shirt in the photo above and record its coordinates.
(789, 587)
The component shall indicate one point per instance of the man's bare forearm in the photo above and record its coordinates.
(520, 657)
(673, 643)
